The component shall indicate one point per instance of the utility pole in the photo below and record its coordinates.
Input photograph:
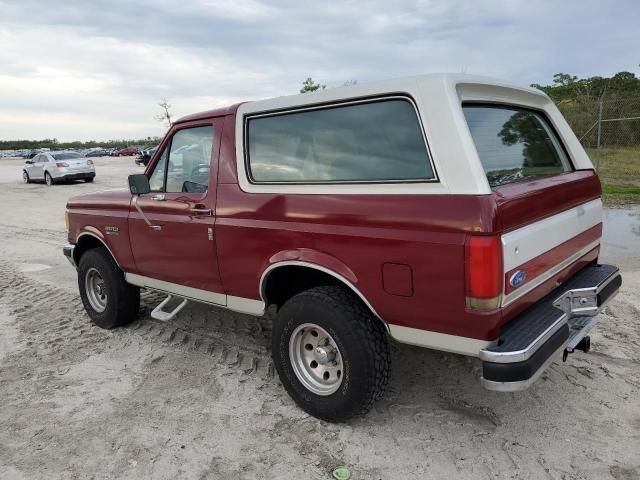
(599, 133)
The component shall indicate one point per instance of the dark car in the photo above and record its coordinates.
(145, 155)
(97, 153)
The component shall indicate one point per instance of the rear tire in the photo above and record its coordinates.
(88, 180)
(349, 371)
(108, 299)
(47, 179)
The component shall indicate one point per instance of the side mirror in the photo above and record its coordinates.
(139, 184)
(30, 162)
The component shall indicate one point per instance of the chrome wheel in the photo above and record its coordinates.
(95, 290)
(316, 359)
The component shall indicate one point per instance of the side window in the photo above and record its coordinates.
(377, 141)
(156, 180)
(186, 166)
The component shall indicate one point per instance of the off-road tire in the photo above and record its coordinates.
(48, 179)
(123, 299)
(361, 339)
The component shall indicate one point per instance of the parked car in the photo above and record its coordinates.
(122, 152)
(452, 212)
(145, 155)
(98, 152)
(58, 166)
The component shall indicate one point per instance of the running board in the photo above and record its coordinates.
(159, 314)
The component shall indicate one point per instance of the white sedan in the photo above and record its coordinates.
(52, 167)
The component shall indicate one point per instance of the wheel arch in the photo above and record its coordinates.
(87, 240)
(269, 294)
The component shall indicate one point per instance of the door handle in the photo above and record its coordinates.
(159, 197)
(203, 212)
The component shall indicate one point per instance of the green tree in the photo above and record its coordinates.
(310, 86)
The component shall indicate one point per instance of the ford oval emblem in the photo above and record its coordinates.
(517, 278)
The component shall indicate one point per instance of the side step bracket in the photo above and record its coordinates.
(159, 314)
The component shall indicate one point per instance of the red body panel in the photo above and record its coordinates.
(524, 202)
(91, 214)
(182, 251)
(404, 253)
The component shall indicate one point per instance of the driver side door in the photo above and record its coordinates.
(172, 228)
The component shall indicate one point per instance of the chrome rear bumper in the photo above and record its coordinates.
(530, 342)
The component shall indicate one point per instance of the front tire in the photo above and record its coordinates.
(331, 353)
(25, 177)
(108, 299)
(48, 179)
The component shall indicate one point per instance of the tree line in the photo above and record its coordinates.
(602, 111)
(53, 143)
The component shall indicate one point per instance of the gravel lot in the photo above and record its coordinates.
(197, 398)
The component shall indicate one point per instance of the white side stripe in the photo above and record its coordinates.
(237, 304)
(438, 341)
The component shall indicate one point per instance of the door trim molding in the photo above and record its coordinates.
(237, 304)
(438, 341)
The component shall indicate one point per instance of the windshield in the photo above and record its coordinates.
(514, 144)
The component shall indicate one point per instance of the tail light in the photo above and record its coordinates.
(89, 162)
(483, 265)
(62, 164)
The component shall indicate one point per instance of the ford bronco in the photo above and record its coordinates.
(453, 212)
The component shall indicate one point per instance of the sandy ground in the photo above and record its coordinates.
(198, 399)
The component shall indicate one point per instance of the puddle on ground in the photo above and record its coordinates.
(32, 267)
(621, 237)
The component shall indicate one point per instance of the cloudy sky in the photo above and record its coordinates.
(96, 69)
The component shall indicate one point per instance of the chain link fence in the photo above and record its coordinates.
(609, 130)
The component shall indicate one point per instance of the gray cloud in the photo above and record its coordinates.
(78, 69)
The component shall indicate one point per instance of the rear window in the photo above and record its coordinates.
(66, 156)
(377, 141)
(514, 144)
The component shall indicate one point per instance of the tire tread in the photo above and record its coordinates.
(372, 336)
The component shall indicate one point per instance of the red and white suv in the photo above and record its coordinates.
(452, 212)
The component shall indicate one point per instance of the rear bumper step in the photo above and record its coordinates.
(530, 342)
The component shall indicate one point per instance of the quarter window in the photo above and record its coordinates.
(378, 141)
(185, 165)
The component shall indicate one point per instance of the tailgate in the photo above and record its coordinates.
(551, 228)
(548, 226)
(537, 252)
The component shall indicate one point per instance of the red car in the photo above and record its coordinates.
(126, 152)
(447, 211)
